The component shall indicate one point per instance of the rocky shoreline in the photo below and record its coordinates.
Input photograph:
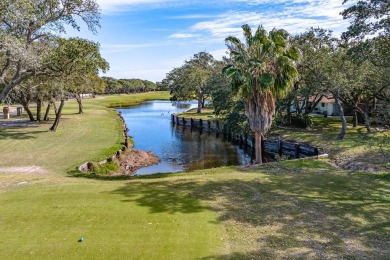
(134, 159)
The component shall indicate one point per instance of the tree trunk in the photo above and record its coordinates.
(79, 100)
(58, 116)
(343, 120)
(39, 109)
(355, 119)
(4, 93)
(200, 101)
(55, 107)
(46, 117)
(24, 101)
(355, 116)
(258, 147)
(28, 111)
(298, 108)
(288, 114)
(310, 106)
(366, 120)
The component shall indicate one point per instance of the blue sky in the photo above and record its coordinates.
(148, 38)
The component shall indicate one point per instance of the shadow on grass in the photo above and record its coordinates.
(10, 133)
(307, 213)
(78, 174)
(161, 196)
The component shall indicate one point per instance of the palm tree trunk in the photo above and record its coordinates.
(258, 147)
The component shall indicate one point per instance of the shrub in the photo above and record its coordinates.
(301, 121)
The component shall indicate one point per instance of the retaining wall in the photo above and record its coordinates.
(275, 147)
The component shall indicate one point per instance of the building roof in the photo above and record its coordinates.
(324, 99)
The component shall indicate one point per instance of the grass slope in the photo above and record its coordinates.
(91, 136)
(358, 150)
(293, 209)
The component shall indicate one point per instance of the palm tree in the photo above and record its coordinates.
(261, 69)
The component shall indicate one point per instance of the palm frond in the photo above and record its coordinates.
(294, 53)
(233, 40)
(247, 31)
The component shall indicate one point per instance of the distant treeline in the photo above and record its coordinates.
(126, 86)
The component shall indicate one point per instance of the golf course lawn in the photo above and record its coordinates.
(117, 220)
(292, 209)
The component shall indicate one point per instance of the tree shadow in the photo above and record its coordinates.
(304, 214)
(11, 133)
(162, 196)
(326, 218)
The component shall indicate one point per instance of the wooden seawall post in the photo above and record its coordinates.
(276, 147)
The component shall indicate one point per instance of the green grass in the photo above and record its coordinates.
(370, 150)
(106, 168)
(206, 114)
(92, 136)
(299, 209)
(293, 209)
(131, 100)
(117, 221)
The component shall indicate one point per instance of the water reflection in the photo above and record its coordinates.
(179, 148)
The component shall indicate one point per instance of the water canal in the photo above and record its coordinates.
(179, 148)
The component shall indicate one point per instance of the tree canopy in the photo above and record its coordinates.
(261, 69)
(29, 30)
(367, 17)
(126, 86)
(192, 79)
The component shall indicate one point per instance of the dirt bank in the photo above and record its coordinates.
(134, 159)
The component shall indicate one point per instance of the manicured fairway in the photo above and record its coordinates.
(302, 209)
(117, 221)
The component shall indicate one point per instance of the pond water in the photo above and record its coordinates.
(179, 148)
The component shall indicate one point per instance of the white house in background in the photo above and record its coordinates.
(325, 106)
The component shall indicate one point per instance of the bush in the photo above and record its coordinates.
(301, 121)
(381, 117)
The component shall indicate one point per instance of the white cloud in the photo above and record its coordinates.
(123, 5)
(291, 17)
(183, 35)
(218, 54)
(113, 48)
(192, 16)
